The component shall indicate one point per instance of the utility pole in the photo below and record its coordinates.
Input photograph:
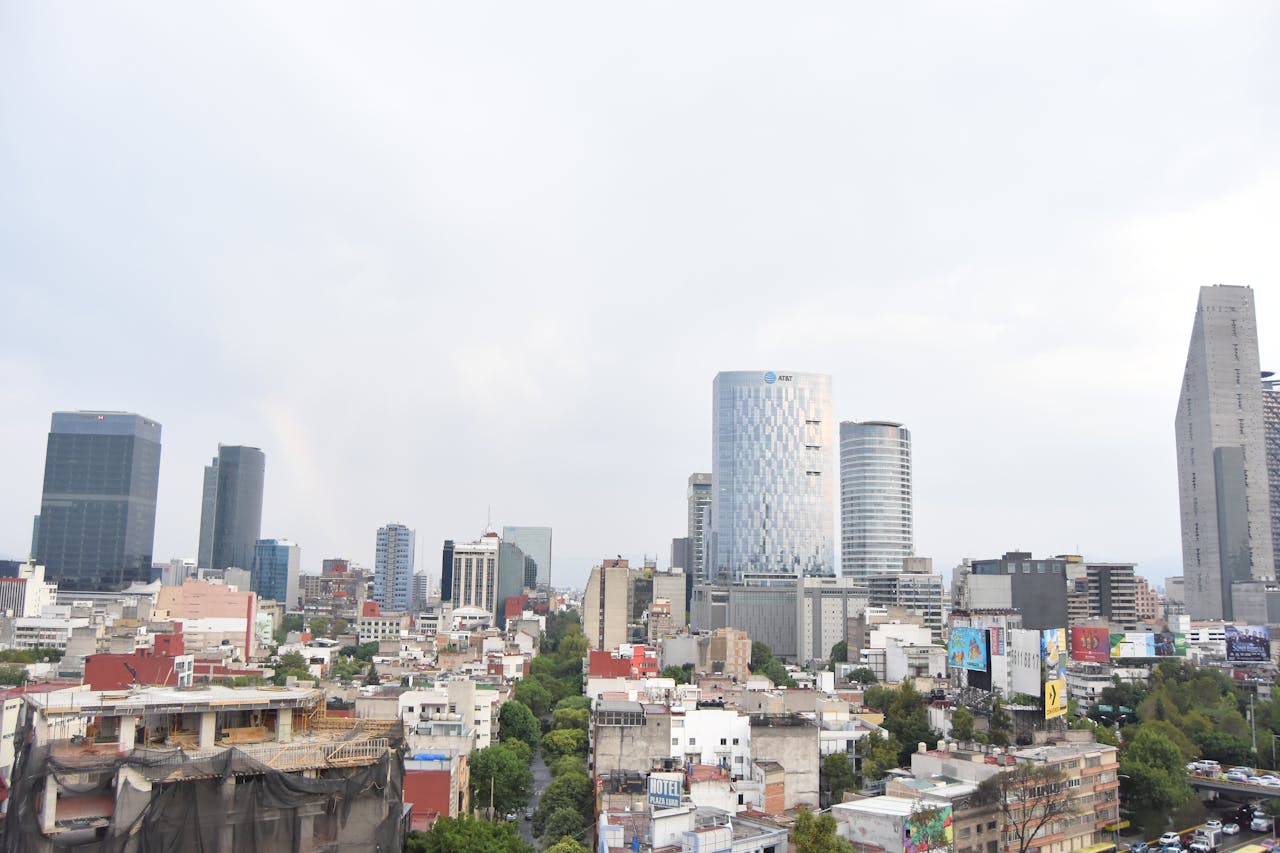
(491, 796)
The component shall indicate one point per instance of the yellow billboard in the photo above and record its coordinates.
(1055, 698)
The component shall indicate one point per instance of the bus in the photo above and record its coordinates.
(1105, 847)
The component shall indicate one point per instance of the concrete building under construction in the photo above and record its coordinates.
(202, 768)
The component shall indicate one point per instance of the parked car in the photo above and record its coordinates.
(1213, 824)
(1231, 829)
(1140, 847)
(1260, 824)
(1170, 838)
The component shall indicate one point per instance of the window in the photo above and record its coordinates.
(693, 741)
(724, 741)
(735, 741)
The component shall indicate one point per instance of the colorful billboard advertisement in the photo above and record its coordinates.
(1053, 653)
(1091, 644)
(1163, 645)
(1248, 642)
(1055, 698)
(927, 829)
(967, 649)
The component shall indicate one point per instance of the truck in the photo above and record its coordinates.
(1209, 838)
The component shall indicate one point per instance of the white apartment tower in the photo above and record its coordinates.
(393, 567)
(875, 498)
(1222, 464)
(772, 484)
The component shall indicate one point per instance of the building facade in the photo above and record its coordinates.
(606, 605)
(474, 577)
(231, 510)
(1036, 588)
(393, 567)
(535, 542)
(275, 571)
(1271, 430)
(698, 499)
(875, 497)
(98, 508)
(1223, 490)
(772, 485)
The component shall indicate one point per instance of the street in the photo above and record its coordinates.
(541, 779)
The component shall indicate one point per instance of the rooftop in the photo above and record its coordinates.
(171, 700)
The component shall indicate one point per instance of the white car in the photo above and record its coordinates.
(1213, 824)
(1231, 829)
(1260, 824)
(1170, 838)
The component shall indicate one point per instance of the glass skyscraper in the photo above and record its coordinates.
(275, 570)
(875, 497)
(771, 481)
(98, 509)
(231, 513)
(393, 567)
(535, 542)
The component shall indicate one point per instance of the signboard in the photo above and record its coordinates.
(1248, 642)
(927, 829)
(1053, 651)
(967, 649)
(1055, 698)
(1091, 644)
(664, 791)
(997, 641)
(1162, 645)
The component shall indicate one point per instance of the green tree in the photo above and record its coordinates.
(999, 725)
(534, 696)
(835, 776)
(817, 834)
(1154, 765)
(574, 703)
(569, 790)
(570, 718)
(320, 627)
(863, 675)
(908, 721)
(567, 764)
(1226, 748)
(879, 755)
(293, 664)
(777, 673)
(372, 678)
(500, 770)
(363, 652)
(676, 673)
(962, 724)
(340, 627)
(839, 653)
(13, 675)
(564, 742)
(465, 834)
(516, 721)
(566, 845)
(520, 748)
(38, 654)
(1175, 734)
(760, 654)
(564, 821)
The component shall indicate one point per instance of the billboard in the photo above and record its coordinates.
(665, 791)
(927, 829)
(1091, 644)
(1053, 653)
(1248, 642)
(1163, 645)
(967, 649)
(1055, 698)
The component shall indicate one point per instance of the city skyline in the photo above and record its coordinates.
(1016, 293)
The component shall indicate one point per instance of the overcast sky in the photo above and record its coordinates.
(447, 260)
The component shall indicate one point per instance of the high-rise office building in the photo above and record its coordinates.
(535, 542)
(393, 567)
(1271, 431)
(698, 498)
(771, 479)
(231, 510)
(276, 564)
(98, 510)
(1222, 465)
(446, 571)
(875, 497)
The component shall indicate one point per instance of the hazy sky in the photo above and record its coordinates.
(437, 259)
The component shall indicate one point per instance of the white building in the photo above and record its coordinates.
(772, 491)
(27, 594)
(716, 736)
(1222, 463)
(875, 497)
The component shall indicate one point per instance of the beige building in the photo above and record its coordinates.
(606, 605)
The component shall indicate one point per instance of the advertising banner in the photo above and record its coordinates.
(967, 649)
(1053, 653)
(1091, 644)
(1162, 645)
(997, 641)
(1248, 642)
(1055, 698)
(929, 829)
